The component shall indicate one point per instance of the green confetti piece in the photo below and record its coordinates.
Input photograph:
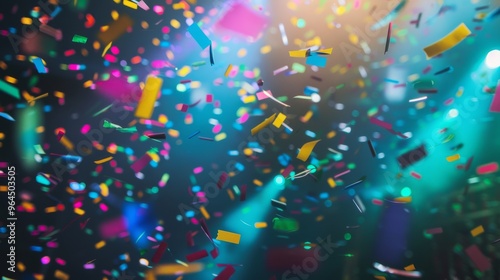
(285, 224)
(79, 39)
(9, 89)
(299, 68)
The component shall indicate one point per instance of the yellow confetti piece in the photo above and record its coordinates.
(249, 99)
(242, 53)
(51, 209)
(104, 189)
(184, 71)
(405, 199)
(380, 277)
(263, 124)
(220, 136)
(146, 104)
(66, 143)
(265, 49)
(306, 150)
(331, 134)
(477, 231)
(106, 49)
(37, 98)
(60, 275)
(319, 218)
(411, 267)
(279, 120)
(447, 42)
(307, 117)
(173, 133)
(204, 212)
(331, 183)
(26, 21)
(230, 193)
(101, 161)
(100, 244)
(130, 4)
(175, 23)
(260, 225)
(21, 266)
(257, 182)
(325, 51)
(79, 211)
(229, 237)
(453, 158)
(299, 53)
(228, 70)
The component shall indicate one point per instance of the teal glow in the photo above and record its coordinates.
(312, 168)
(406, 191)
(279, 179)
(301, 23)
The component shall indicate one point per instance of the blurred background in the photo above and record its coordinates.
(403, 182)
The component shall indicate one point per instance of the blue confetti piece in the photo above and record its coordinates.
(56, 12)
(39, 65)
(7, 116)
(316, 60)
(199, 36)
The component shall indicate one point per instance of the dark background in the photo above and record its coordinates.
(391, 234)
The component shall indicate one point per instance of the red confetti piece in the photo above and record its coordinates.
(243, 190)
(159, 252)
(197, 255)
(226, 273)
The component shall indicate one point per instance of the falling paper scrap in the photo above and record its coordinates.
(306, 150)
(447, 42)
(227, 236)
(199, 36)
(146, 104)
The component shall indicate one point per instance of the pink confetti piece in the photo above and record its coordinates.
(261, 95)
(341, 174)
(487, 168)
(434, 230)
(209, 98)
(416, 175)
(495, 104)
(380, 123)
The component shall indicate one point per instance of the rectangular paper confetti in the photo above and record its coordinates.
(495, 104)
(39, 65)
(447, 42)
(199, 36)
(146, 104)
(9, 89)
(316, 60)
(227, 236)
(477, 231)
(480, 261)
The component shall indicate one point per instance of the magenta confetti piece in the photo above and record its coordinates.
(141, 163)
(487, 168)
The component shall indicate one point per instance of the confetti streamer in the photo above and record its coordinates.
(101, 161)
(388, 40)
